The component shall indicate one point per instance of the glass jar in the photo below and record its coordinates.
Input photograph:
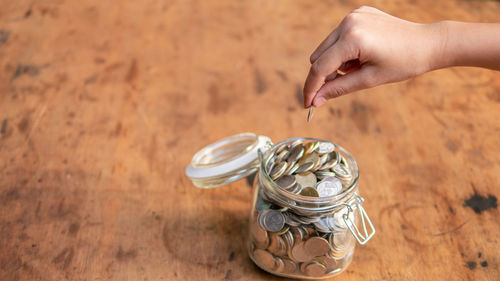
(306, 213)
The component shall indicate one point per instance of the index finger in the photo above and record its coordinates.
(325, 65)
(330, 40)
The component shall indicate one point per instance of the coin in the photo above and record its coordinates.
(278, 170)
(329, 262)
(309, 191)
(326, 147)
(304, 167)
(310, 113)
(281, 148)
(329, 187)
(341, 171)
(310, 147)
(288, 238)
(283, 230)
(260, 236)
(322, 174)
(300, 254)
(295, 189)
(271, 220)
(264, 259)
(281, 156)
(280, 264)
(316, 246)
(315, 269)
(290, 266)
(277, 245)
(290, 220)
(292, 167)
(326, 224)
(306, 179)
(286, 182)
(295, 153)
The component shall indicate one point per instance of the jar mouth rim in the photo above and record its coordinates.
(307, 199)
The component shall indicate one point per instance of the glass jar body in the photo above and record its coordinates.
(297, 236)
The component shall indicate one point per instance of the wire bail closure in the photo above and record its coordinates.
(361, 237)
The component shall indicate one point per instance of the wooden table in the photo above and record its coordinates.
(103, 104)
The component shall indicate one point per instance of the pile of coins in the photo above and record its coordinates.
(289, 243)
(313, 169)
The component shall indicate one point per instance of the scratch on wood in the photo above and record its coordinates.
(35, 123)
(450, 231)
(438, 119)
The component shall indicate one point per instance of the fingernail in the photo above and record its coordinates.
(319, 101)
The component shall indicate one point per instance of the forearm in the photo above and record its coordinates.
(468, 44)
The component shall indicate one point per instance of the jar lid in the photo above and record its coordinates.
(227, 160)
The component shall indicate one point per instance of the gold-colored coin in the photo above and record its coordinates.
(283, 230)
(299, 253)
(259, 235)
(264, 259)
(316, 246)
(310, 147)
(280, 264)
(329, 262)
(315, 269)
(306, 179)
(277, 245)
(309, 191)
(290, 266)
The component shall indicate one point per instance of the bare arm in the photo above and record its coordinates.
(371, 48)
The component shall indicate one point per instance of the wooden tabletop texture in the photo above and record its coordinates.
(103, 104)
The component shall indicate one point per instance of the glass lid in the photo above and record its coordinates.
(227, 160)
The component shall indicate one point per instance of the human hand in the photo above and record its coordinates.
(371, 48)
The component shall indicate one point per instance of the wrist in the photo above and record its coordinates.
(439, 53)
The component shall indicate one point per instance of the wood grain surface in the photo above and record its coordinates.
(103, 104)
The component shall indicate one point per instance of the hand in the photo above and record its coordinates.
(371, 48)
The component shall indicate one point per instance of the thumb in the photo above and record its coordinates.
(350, 82)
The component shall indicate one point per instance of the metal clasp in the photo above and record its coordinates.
(351, 207)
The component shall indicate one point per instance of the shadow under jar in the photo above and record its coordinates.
(306, 213)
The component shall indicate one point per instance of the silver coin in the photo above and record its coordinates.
(282, 155)
(281, 148)
(326, 147)
(310, 113)
(295, 153)
(290, 219)
(341, 171)
(278, 170)
(272, 220)
(292, 167)
(329, 187)
(322, 174)
(304, 167)
(286, 182)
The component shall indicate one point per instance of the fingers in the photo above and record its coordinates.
(353, 81)
(324, 66)
(329, 41)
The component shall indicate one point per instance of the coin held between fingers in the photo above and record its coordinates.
(310, 113)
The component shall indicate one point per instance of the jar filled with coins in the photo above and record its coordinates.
(307, 215)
